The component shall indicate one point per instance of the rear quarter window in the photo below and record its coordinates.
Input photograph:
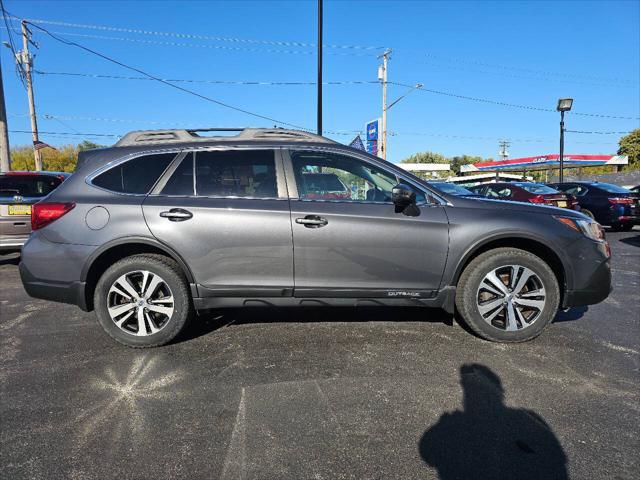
(137, 175)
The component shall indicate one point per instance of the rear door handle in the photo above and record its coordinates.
(312, 221)
(177, 215)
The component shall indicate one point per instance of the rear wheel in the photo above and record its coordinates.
(143, 300)
(507, 295)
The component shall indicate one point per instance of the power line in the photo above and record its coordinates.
(70, 133)
(280, 43)
(177, 87)
(512, 105)
(216, 82)
(298, 44)
(199, 45)
(597, 133)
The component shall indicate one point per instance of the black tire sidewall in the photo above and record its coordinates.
(175, 281)
(474, 274)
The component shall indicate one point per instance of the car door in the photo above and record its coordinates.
(356, 245)
(226, 212)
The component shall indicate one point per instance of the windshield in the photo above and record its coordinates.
(451, 188)
(537, 188)
(27, 185)
(607, 187)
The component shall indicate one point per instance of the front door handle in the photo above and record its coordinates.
(312, 221)
(177, 215)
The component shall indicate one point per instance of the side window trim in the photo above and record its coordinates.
(164, 178)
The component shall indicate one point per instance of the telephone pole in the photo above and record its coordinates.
(27, 62)
(5, 164)
(382, 76)
(504, 152)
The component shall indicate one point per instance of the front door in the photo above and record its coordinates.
(348, 239)
(227, 214)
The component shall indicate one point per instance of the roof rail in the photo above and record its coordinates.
(154, 137)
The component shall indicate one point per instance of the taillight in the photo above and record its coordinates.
(621, 201)
(537, 199)
(43, 213)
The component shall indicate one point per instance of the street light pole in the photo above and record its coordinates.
(561, 176)
(564, 105)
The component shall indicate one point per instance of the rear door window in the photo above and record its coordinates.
(137, 175)
(233, 173)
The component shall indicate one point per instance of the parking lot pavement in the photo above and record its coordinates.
(322, 394)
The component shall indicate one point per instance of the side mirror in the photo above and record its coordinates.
(404, 199)
(402, 195)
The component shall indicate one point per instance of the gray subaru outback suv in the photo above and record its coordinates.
(167, 222)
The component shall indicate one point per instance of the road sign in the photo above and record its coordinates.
(372, 129)
(372, 147)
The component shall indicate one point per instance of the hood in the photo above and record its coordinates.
(489, 204)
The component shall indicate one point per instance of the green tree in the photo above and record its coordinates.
(426, 157)
(60, 159)
(630, 145)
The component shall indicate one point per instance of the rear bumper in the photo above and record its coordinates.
(12, 242)
(64, 292)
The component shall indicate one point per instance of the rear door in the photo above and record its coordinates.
(357, 245)
(226, 212)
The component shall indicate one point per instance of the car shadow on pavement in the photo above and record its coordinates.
(574, 313)
(210, 321)
(633, 241)
(487, 439)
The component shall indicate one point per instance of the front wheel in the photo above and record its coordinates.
(143, 301)
(507, 295)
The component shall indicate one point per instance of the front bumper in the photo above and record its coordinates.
(595, 290)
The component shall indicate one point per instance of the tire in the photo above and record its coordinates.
(587, 213)
(163, 316)
(617, 227)
(621, 227)
(494, 325)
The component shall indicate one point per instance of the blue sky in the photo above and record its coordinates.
(525, 53)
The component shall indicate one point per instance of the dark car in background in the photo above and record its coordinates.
(18, 192)
(454, 189)
(608, 204)
(531, 192)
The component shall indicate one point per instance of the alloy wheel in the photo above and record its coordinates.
(140, 303)
(511, 298)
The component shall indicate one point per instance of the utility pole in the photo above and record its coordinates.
(382, 76)
(5, 164)
(320, 67)
(27, 63)
(503, 153)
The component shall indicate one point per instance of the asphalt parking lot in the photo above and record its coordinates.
(322, 394)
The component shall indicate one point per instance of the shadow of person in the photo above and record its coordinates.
(488, 440)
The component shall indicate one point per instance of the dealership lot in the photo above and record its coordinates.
(322, 393)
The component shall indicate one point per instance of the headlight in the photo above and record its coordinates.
(589, 228)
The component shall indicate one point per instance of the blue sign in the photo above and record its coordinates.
(372, 147)
(372, 129)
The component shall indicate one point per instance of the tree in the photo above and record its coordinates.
(61, 159)
(630, 145)
(426, 157)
